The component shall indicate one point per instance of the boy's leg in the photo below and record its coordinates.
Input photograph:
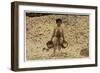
(54, 50)
(55, 45)
(59, 44)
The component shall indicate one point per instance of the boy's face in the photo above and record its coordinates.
(59, 23)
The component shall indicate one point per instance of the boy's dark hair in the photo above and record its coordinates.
(58, 20)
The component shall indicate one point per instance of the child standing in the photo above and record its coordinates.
(58, 36)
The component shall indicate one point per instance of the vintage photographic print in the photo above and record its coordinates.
(56, 36)
(52, 36)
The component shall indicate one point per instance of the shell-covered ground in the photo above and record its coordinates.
(39, 30)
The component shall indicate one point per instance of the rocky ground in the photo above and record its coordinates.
(39, 31)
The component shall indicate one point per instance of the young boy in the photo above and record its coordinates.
(58, 36)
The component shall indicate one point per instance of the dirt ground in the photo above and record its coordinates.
(39, 30)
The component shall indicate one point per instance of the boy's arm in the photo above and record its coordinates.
(53, 34)
(63, 35)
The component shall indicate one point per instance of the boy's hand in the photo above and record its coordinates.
(64, 40)
(51, 40)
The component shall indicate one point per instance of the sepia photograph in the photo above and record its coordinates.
(56, 36)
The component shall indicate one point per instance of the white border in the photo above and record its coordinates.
(60, 62)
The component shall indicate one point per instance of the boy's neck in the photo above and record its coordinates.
(58, 26)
